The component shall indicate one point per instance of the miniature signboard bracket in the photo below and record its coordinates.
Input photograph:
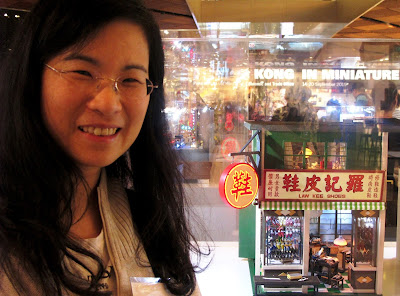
(251, 153)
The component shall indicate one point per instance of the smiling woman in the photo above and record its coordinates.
(90, 191)
(81, 109)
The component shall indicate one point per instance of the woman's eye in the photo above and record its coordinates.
(84, 73)
(130, 81)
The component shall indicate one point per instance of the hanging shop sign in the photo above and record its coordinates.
(324, 185)
(238, 185)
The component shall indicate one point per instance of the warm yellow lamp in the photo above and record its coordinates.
(340, 241)
(308, 152)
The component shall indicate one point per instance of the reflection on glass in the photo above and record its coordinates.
(314, 155)
(214, 85)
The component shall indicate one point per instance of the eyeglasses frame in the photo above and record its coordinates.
(149, 84)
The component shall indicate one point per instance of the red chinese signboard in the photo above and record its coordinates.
(324, 185)
(238, 185)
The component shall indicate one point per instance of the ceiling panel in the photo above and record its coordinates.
(22, 4)
(391, 4)
(171, 14)
(174, 6)
(382, 21)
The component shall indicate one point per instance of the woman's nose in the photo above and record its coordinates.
(107, 99)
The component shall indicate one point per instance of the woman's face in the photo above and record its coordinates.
(93, 122)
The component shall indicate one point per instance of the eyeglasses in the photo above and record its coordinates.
(129, 86)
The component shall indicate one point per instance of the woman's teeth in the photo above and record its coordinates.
(97, 131)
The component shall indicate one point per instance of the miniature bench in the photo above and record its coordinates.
(284, 282)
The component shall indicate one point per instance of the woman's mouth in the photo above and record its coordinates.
(97, 131)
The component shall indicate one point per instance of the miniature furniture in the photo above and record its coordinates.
(337, 281)
(325, 274)
(284, 282)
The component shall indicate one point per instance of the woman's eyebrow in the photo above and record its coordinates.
(75, 56)
(135, 66)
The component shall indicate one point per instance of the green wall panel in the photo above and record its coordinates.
(247, 232)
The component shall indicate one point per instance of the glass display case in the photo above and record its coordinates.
(283, 238)
(364, 238)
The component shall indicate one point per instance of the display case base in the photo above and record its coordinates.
(362, 278)
(364, 291)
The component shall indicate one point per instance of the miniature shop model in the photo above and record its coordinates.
(321, 207)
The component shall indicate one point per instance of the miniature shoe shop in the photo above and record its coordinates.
(317, 230)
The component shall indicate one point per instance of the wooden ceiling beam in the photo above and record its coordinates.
(177, 14)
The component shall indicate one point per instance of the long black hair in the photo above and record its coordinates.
(38, 179)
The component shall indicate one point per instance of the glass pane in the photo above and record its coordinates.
(365, 241)
(283, 240)
(293, 148)
(327, 238)
(213, 86)
(327, 228)
(336, 148)
(336, 163)
(344, 222)
(315, 162)
(293, 155)
(315, 148)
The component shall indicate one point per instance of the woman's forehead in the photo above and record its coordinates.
(118, 41)
(118, 30)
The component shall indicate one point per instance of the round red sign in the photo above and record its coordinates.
(238, 185)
